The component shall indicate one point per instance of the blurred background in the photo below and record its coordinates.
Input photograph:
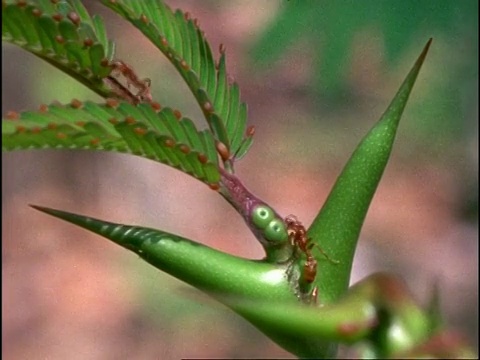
(316, 75)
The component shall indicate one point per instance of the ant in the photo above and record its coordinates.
(297, 235)
(143, 86)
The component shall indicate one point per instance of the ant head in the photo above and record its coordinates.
(291, 219)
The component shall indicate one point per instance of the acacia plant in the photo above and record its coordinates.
(298, 294)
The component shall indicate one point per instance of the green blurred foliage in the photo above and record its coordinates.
(330, 29)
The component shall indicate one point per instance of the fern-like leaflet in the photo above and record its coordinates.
(144, 130)
(63, 34)
(178, 36)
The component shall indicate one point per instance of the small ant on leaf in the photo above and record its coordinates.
(141, 85)
(297, 235)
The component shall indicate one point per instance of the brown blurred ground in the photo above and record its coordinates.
(69, 294)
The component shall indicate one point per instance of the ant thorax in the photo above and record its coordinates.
(297, 233)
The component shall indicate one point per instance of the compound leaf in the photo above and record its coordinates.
(63, 34)
(184, 44)
(142, 130)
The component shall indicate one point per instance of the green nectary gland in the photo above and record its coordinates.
(261, 216)
(265, 219)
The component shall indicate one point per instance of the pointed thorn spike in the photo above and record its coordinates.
(424, 53)
(46, 210)
(38, 207)
(85, 222)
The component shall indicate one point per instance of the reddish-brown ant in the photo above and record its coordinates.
(297, 234)
(143, 86)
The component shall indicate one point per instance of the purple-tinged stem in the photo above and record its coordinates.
(245, 202)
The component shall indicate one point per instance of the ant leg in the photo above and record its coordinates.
(291, 238)
(310, 269)
(336, 262)
(314, 296)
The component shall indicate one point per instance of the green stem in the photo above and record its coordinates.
(379, 309)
